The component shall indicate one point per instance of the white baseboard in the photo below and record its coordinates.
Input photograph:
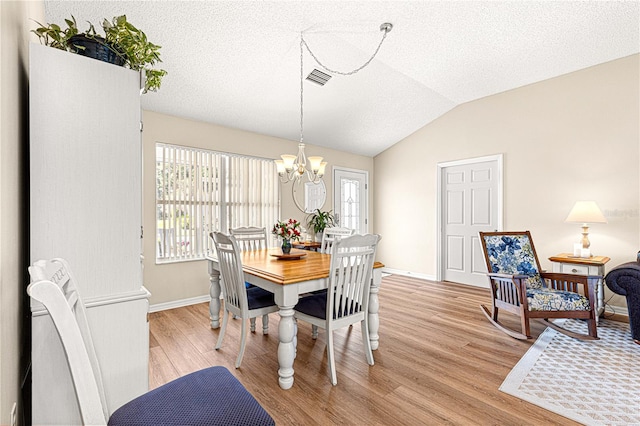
(408, 274)
(618, 310)
(179, 303)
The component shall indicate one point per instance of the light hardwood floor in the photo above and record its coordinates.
(439, 362)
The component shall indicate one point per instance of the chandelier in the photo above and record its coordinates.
(295, 167)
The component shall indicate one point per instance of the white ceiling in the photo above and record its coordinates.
(237, 63)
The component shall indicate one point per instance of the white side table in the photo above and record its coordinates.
(594, 265)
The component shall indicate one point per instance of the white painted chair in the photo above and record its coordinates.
(346, 300)
(331, 235)
(250, 237)
(245, 303)
(209, 396)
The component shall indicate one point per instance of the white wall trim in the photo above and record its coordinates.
(499, 158)
(179, 303)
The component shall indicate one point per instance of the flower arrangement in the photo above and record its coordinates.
(288, 230)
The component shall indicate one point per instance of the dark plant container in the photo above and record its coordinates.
(96, 48)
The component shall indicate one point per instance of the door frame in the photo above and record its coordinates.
(440, 205)
(366, 190)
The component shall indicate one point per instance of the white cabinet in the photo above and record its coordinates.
(86, 206)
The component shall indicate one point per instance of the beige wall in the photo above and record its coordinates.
(574, 137)
(177, 281)
(14, 133)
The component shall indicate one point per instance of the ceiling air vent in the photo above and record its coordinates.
(318, 77)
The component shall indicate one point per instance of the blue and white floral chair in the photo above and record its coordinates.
(520, 287)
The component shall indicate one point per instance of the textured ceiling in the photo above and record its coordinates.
(237, 63)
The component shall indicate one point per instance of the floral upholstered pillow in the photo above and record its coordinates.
(513, 254)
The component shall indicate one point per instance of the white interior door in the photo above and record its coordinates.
(470, 202)
(350, 199)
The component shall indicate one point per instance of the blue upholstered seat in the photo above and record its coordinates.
(548, 299)
(259, 298)
(316, 306)
(212, 396)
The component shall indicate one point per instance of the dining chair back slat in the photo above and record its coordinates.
(250, 238)
(331, 235)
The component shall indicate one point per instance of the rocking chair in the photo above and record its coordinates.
(520, 287)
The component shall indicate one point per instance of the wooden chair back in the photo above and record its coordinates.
(331, 235)
(53, 285)
(250, 238)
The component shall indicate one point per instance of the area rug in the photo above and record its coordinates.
(591, 382)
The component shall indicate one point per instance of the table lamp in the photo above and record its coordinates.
(586, 212)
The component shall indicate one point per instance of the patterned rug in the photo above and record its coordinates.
(591, 382)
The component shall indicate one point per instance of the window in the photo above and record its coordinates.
(200, 191)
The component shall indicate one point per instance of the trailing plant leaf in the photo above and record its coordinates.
(121, 37)
(53, 35)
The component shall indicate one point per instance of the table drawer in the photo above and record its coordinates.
(575, 269)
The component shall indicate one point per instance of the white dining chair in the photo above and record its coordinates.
(346, 300)
(250, 237)
(211, 396)
(331, 235)
(245, 303)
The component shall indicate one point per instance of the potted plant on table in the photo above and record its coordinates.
(320, 220)
(288, 231)
(123, 45)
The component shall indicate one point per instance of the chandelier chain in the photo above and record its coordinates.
(301, 89)
(303, 42)
(293, 168)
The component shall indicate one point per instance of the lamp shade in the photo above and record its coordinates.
(586, 212)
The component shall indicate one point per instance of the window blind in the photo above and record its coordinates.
(199, 191)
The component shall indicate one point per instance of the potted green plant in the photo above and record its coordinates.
(320, 220)
(123, 44)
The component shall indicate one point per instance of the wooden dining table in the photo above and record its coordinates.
(287, 279)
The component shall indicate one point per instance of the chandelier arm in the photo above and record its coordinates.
(303, 41)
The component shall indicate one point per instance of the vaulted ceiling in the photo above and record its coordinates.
(237, 63)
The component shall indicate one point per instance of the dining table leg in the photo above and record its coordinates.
(287, 346)
(214, 292)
